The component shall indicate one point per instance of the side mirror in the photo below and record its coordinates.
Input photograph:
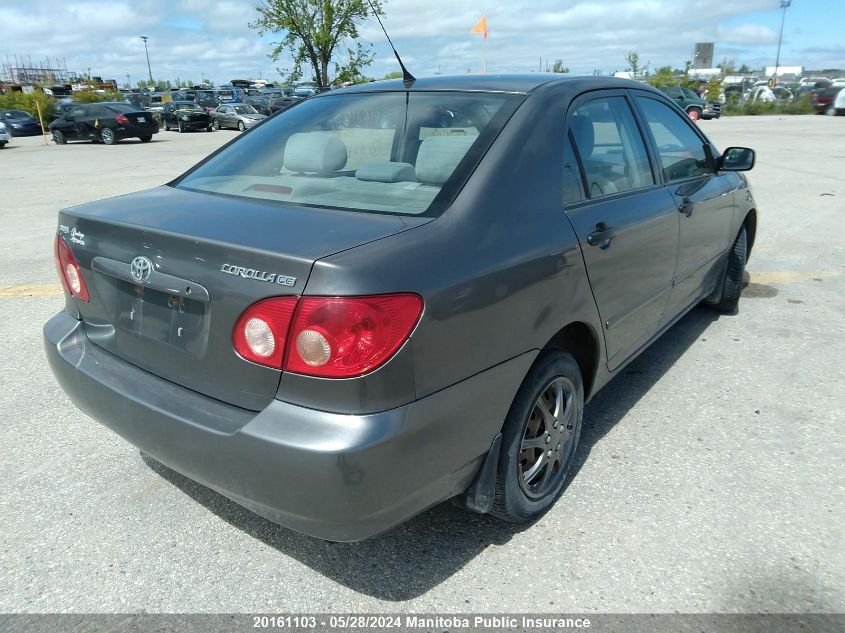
(737, 159)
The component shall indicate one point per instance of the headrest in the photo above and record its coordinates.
(386, 172)
(439, 155)
(585, 135)
(315, 153)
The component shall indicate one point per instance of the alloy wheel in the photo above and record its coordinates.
(548, 438)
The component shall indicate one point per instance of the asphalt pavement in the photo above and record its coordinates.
(709, 479)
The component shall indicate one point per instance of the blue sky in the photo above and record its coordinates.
(192, 39)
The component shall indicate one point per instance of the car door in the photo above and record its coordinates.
(626, 222)
(75, 126)
(221, 116)
(167, 114)
(704, 198)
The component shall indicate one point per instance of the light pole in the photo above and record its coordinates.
(784, 4)
(145, 38)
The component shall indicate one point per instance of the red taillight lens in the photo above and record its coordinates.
(343, 337)
(121, 119)
(69, 271)
(261, 331)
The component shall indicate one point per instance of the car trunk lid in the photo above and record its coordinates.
(202, 259)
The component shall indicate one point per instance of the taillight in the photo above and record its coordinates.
(121, 119)
(69, 271)
(342, 337)
(330, 337)
(261, 331)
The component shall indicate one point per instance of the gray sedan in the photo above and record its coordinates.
(235, 115)
(398, 293)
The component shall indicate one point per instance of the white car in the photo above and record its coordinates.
(838, 105)
(5, 135)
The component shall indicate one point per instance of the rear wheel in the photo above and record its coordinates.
(146, 139)
(726, 298)
(108, 136)
(166, 126)
(181, 129)
(2, 144)
(59, 138)
(241, 126)
(539, 438)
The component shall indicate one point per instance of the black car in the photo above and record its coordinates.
(20, 122)
(185, 116)
(283, 101)
(260, 103)
(398, 293)
(107, 122)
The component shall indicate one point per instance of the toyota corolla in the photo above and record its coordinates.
(396, 294)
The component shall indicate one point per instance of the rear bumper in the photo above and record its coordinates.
(134, 131)
(333, 476)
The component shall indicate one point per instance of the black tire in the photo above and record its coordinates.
(146, 139)
(521, 495)
(210, 128)
(166, 125)
(181, 129)
(59, 138)
(241, 126)
(108, 136)
(215, 124)
(2, 144)
(726, 296)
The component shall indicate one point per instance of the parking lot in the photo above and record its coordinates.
(710, 476)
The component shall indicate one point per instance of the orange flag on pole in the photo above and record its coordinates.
(481, 27)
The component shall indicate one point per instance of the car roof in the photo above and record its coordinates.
(518, 84)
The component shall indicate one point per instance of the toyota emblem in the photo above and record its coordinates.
(140, 268)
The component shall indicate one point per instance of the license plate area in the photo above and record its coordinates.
(161, 317)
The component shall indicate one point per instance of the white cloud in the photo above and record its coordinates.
(190, 38)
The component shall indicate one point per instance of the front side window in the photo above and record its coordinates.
(388, 152)
(681, 150)
(610, 147)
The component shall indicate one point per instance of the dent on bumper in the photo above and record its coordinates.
(334, 476)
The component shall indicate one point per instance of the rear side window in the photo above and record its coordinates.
(681, 150)
(388, 152)
(610, 147)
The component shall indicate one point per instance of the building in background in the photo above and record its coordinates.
(703, 55)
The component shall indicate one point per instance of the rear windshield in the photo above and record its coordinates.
(186, 105)
(389, 152)
(120, 108)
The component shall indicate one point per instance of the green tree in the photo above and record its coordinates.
(313, 31)
(90, 96)
(558, 67)
(744, 69)
(663, 78)
(396, 74)
(714, 88)
(633, 60)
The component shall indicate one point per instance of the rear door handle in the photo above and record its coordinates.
(602, 236)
